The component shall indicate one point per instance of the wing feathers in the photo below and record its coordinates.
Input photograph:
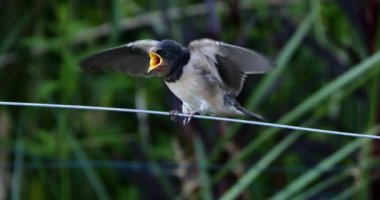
(228, 63)
(231, 75)
(131, 58)
(248, 61)
(232, 62)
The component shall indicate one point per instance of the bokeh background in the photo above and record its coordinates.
(326, 75)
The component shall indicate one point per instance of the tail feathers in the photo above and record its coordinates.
(249, 113)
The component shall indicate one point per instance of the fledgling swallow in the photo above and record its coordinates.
(206, 76)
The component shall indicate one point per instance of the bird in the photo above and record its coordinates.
(206, 76)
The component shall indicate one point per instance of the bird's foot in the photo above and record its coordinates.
(188, 119)
(173, 115)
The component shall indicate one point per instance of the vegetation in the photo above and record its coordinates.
(326, 75)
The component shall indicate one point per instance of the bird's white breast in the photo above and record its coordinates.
(196, 91)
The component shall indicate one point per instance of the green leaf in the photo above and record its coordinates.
(301, 182)
(204, 179)
(88, 169)
(17, 169)
(280, 65)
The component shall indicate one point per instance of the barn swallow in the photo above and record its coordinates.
(206, 76)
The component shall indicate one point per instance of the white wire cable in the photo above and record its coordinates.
(152, 112)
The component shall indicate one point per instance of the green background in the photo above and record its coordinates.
(326, 75)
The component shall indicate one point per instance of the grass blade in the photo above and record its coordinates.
(281, 64)
(308, 194)
(348, 193)
(13, 35)
(323, 166)
(345, 79)
(333, 180)
(283, 59)
(312, 102)
(17, 169)
(255, 171)
(202, 166)
(164, 182)
(88, 169)
(316, 99)
(16, 31)
(116, 19)
(314, 173)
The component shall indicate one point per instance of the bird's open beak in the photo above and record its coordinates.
(155, 61)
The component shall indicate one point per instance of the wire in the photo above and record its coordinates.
(152, 112)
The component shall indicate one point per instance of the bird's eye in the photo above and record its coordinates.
(162, 52)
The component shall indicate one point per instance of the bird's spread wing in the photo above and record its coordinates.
(131, 58)
(232, 63)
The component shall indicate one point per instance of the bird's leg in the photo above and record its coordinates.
(173, 115)
(188, 119)
(187, 110)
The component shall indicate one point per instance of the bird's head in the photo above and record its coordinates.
(164, 56)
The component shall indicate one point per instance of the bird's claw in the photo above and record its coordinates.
(186, 120)
(173, 115)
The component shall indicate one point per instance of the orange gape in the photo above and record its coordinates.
(155, 61)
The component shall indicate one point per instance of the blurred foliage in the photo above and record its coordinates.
(326, 75)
